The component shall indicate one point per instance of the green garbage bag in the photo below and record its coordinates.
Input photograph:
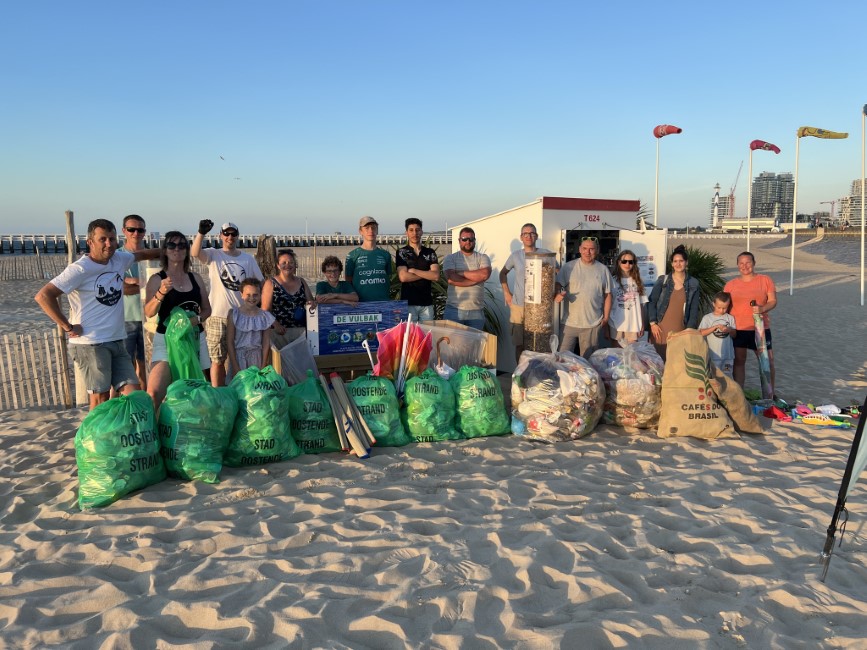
(481, 410)
(195, 424)
(117, 450)
(376, 399)
(429, 408)
(311, 420)
(182, 346)
(261, 431)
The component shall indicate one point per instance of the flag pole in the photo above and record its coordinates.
(656, 192)
(749, 198)
(794, 216)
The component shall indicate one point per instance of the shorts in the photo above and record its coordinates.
(134, 343)
(160, 353)
(215, 334)
(516, 322)
(747, 339)
(103, 366)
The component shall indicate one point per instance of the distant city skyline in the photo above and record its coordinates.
(280, 116)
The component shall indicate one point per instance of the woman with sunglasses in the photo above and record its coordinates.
(287, 296)
(626, 322)
(174, 286)
(674, 301)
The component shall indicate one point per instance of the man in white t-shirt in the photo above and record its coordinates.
(227, 268)
(514, 299)
(95, 326)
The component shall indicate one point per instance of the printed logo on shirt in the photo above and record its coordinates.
(232, 275)
(109, 288)
(190, 305)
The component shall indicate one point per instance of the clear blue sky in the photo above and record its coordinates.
(447, 110)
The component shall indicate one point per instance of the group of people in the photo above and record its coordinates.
(242, 313)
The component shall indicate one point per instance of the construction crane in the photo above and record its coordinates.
(732, 193)
(832, 204)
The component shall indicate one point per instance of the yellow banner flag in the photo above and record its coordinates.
(820, 133)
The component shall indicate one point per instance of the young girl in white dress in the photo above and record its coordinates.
(248, 330)
(626, 321)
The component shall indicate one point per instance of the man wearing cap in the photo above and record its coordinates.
(368, 268)
(227, 268)
(466, 272)
(95, 325)
(417, 267)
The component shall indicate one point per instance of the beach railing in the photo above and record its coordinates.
(33, 373)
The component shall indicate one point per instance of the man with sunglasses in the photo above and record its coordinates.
(134, 231)
(586, 285)
(515, 299)
(227, 268)
(94, 284)
(466, 272)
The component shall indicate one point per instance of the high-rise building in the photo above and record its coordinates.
(850, 206)
(773, 196)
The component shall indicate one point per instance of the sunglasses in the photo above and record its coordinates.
(230, 233)
(627, 261)
(180, 245)
(140, 231)
(468, 239)
(529, 234)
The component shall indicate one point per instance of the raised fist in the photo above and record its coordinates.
(205, 226)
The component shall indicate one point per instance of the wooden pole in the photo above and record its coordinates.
(64, 357)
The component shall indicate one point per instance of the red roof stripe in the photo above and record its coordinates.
(601, 205)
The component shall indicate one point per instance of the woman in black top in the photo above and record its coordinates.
(174, 286)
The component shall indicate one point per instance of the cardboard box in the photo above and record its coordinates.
(341, 329)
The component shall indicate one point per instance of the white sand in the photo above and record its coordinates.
(611, 541)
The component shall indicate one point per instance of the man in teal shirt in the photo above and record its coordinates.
(368, 268)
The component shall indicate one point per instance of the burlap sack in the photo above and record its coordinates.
(689, 402)
(731, 396)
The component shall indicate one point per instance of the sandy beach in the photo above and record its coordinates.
(611, 541)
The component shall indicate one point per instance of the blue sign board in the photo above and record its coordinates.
(341, 329)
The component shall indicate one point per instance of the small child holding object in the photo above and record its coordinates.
(248, 329)
(718, 328)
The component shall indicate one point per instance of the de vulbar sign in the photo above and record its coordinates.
(341, 329)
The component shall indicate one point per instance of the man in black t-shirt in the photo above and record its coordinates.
(417, 267)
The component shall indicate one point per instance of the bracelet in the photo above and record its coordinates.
(69, 330)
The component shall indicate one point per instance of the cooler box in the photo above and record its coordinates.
(341, 329)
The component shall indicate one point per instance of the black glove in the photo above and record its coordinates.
(205, 226)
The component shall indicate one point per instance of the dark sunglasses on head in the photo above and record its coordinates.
(468, 239)
(230, 233)
(180, 245)
(140, 231)
(627, 261)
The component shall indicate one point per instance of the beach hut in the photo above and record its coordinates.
(562, 223)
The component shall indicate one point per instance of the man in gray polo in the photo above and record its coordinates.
(466, 272)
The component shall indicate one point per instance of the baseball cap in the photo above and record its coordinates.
(229, 225)
(366, 221)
